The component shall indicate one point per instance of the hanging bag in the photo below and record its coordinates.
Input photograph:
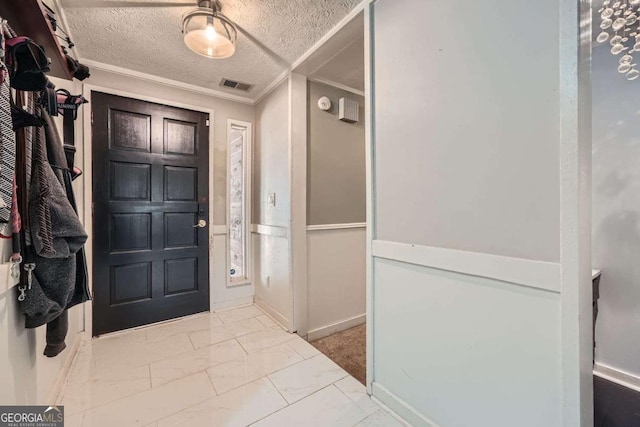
(27, 63)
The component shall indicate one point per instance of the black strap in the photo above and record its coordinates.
(69, 133)
(70, 114)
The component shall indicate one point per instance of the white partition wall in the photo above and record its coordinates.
(479, 289)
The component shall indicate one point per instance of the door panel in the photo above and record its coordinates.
(150, 186)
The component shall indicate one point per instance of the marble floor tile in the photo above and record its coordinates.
(73, 420)
(230, 375)
(303, 348)
(81, 396)
(241, 313)
(225, 332)
(80, 370)
(194, 361)
(233, 368)
(300, 380)
(268, 322)
(144, 408)
(136, 354)
(196, 323)
(328, 407)
(260, 340)
(357, 393)
(237, 408)
(381, 418)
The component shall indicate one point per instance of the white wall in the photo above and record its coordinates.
(475, 291)
(271, 266)
(27, 376)
(336, 162)
(336, 197)
(222, 296)
(616, 213)
(336, 280)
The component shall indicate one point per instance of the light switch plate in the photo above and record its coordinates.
(271, 201)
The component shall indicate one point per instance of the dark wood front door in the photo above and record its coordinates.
(150, 189)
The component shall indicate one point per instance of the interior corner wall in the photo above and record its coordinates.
(336, 194)
(271, 234)
(616, 213)
(466, 170)
(27, 376)
(222, 295)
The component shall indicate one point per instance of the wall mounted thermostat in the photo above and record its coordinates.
(324, 103)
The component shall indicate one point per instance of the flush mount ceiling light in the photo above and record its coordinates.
(208, 32)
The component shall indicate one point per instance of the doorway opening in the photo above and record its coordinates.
(336, 200)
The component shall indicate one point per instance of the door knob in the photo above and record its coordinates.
(201, 224)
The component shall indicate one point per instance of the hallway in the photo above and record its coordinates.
(232, 368)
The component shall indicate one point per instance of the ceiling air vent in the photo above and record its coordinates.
(235, 85)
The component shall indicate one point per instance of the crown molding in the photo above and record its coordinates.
(336, 85)
(332, 32)
(166, 82)
(272, 86)
(216, 93)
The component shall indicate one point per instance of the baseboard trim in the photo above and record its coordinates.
(222, 305)
(399, 407)
(617, 376)
(72, 351)
(273, 313)
(325, 331)
(270, 230)
(534, 274)
(323, 227)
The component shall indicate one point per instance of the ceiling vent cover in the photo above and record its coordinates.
(235, 85)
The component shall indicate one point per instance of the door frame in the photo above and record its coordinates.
(87, 184)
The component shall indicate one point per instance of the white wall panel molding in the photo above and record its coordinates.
(234, 303)
(343, 325)
(535, 274)
(56, 392)
(617, 376)
(397, 405)
(323, 227)
(270, 230)
(273, 313)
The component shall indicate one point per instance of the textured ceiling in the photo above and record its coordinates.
(149, 39)
(346, 68)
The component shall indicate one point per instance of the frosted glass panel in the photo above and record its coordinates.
(237, 205)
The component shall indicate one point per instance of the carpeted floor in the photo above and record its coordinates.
(347, 349)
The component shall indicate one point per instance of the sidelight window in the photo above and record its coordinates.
(238, 180)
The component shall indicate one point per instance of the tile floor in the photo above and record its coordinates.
(233, 368)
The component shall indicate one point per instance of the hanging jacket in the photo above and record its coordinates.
(56, 232)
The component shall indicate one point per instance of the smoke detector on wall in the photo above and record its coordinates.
(324, 103)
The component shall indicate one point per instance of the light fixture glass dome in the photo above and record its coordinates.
(209, 33)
